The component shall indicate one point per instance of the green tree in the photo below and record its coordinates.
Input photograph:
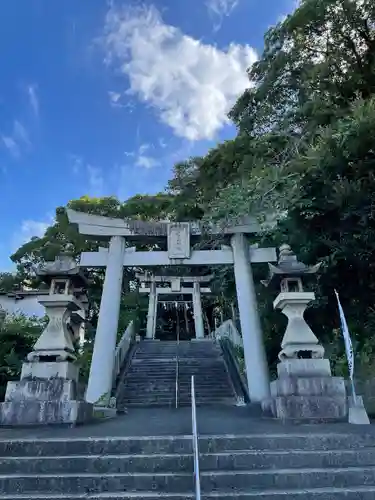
(18, 334)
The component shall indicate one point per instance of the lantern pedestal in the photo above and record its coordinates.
(298, 337)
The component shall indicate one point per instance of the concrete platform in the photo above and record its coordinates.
(163, 422)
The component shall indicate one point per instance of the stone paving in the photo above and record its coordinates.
(163, 422)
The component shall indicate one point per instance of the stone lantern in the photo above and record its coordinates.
(299, 340)
(47, 391)
(65, 305)
(2, 316)
(305, 388)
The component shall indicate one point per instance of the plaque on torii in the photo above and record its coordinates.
(179, 240)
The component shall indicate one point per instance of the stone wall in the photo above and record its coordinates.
(28, 305)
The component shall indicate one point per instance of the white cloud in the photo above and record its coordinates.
(11, 146)
(20, 133)
(96, 181)
(33, 98)
(218, 9)
(191, 85)
(15, 142)
(114, 97)
(30, 228)
(142, 159)
(115, 101)
(144, 147)
(76, 163)
(290, 8)
(146, 161)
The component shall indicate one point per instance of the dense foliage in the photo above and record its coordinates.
(18, 334)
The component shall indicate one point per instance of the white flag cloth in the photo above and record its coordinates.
(347, 339)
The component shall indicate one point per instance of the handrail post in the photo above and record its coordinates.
(195, 442)
(177, 366)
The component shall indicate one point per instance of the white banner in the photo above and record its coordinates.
(347, 339)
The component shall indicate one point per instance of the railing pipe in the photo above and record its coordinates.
(177, 362)
(197, 480)
(122, 348)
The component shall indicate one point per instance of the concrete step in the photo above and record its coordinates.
(144, 402)
(160, 396)
(181, 353)
(184, 377)
(179, 482)
(287, 478)
(221, 383)
(191, 362)
(200, 372)
(96, 464)
(288, 459)
(180, 348)
(168, 402)
(303, 441)
(146, 389)
(141, 403)
(177, 352)
(276, 442)
(92, 483)
(144, 374)
(357, 493)
(165, 385)
(96, 446)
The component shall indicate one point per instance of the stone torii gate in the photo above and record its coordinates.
(114, 258)
(175, 288)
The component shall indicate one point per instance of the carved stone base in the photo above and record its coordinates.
(310, 408)
(41, 389)
(23, 413)
(312, 386)
(52, 369)
(306, 391)
(41, 401)
(304, 368)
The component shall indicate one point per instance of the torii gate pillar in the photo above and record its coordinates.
(254, 350)
(103, 358)
(151, 315)
(198, 315)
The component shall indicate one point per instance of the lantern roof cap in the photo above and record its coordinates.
(289, 266)
(64, 266)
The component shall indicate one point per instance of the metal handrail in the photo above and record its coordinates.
(197, 479)
(122, 349)
(177, 364)
(228, 329)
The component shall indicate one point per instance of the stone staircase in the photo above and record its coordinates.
(298, 466)
(151, 378)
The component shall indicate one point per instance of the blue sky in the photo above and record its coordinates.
(102, 98)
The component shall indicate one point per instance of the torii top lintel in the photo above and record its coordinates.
(100, 226)
(149, 278)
